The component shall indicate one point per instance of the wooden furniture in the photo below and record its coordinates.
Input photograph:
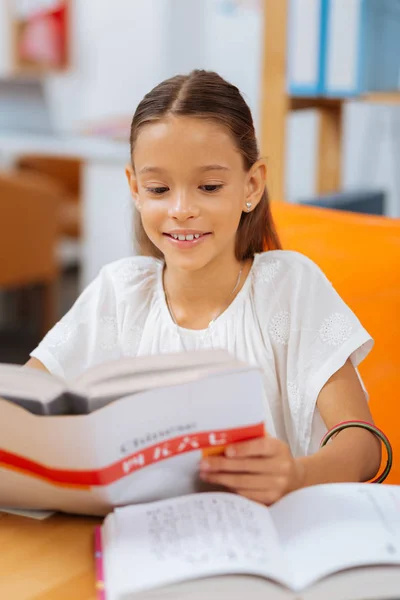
(47, 560)
(28, 238)
(360, 255)
(276, 106)
(66, 173)
(107, 232)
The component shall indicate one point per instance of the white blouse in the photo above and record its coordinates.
(287, 319)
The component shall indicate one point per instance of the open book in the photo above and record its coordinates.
(150, 421)
(44, 394)
(306, 536)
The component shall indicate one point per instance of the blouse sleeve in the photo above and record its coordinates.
(315, 333)
(86, 335)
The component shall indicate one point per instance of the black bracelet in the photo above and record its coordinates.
(373, 429)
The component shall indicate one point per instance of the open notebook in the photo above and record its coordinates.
(305, 537)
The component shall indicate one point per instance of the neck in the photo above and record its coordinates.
(196, 296)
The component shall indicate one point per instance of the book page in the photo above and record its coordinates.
(103, 393)
(142, 365)
(30, 388)
(38, 515)
(328, 528)
(188, 537)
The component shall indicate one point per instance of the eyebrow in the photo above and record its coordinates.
(214, 168)
(150, 169)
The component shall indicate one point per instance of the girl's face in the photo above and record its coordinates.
(190, 186)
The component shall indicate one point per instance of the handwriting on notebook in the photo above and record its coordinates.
(207, 529)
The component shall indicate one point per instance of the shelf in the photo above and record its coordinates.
(310, 102)
(277, 105)
(391, 98)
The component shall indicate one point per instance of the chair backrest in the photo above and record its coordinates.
(360, 254)
(29, 229)
(65, 169)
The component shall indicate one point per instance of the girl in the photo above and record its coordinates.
(204, 280)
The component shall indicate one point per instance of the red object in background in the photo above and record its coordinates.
(43, 40)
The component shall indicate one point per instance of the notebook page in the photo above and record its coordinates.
(338, 526)
(192, 536)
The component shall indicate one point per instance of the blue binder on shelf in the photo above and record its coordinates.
(362, 51)
(306, 47)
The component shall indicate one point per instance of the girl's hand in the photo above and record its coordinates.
(263, 470)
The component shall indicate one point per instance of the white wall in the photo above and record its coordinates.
(233, 46)
(187, 27)
(119, 54)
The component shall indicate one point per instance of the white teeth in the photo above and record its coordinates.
(186, 238)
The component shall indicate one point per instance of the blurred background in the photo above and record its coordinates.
(322, 78)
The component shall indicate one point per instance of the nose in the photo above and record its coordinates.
(183, 207)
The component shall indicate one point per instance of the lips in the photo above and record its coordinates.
(186, 236)
(186, 239)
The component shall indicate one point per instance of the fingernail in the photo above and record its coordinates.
(204, 466)
(230, 452)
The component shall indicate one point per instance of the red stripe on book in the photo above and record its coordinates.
(133, 462)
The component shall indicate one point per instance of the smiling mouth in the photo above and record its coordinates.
(189, 237)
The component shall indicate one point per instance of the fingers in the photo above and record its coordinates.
(238, 465)
(265, 446)
(262, 470)
(245, 482)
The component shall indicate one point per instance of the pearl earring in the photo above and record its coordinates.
(248, 205)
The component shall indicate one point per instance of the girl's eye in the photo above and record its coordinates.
(211, 187)
(157, 190)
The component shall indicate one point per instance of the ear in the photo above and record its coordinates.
(255, 185)
(133, 186)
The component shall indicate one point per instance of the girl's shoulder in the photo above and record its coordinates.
(132, 274)
(284, 269)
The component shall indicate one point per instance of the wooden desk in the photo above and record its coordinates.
(53, 560)
(47, 560)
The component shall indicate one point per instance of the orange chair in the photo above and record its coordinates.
(360, 254)
(66, 172)
(29, 237)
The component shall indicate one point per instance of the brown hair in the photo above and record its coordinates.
(205, 94)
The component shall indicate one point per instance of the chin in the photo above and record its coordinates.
(187, 261)
(189, 264)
